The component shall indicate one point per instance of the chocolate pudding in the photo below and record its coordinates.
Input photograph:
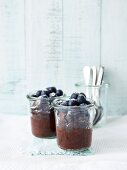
(43, 125)
(42, 112)
(73, 128)
(74, 139)
(74, 123)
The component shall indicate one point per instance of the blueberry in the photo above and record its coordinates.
(59, 92)
(45, 92)
(53, 94)
(73, 102)
(38, 93)
(83, 94)
(87, 102)
(74, 95)
(34, 95)
(65, 103)
(51, 89)
(81, 99)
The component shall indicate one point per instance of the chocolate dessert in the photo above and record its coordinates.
(74, 123)
(75, 139)
(42, 112)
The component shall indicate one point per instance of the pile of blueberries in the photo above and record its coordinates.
(48, 92)
(76, 99)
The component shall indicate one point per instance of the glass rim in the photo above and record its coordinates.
(32, 98)
(81, 83)
(92, 104)
(80, 106)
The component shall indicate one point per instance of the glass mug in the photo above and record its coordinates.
(74, 126)
(99, 94)
(42, 117)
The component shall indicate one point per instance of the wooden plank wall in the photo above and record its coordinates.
(12, 57)
(114, 52)
(75, 28)
(54, 39)
(65, 37)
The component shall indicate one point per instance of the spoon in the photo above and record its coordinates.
(99, 109)
(94, 94)
(87, 73)
(100, 76)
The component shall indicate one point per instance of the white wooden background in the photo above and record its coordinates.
(47, 42)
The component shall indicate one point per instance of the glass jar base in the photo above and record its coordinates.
(74, 149)
(40, 146)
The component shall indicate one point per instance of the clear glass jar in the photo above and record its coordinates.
(74, 126)
(99, 94)
(42, 118)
